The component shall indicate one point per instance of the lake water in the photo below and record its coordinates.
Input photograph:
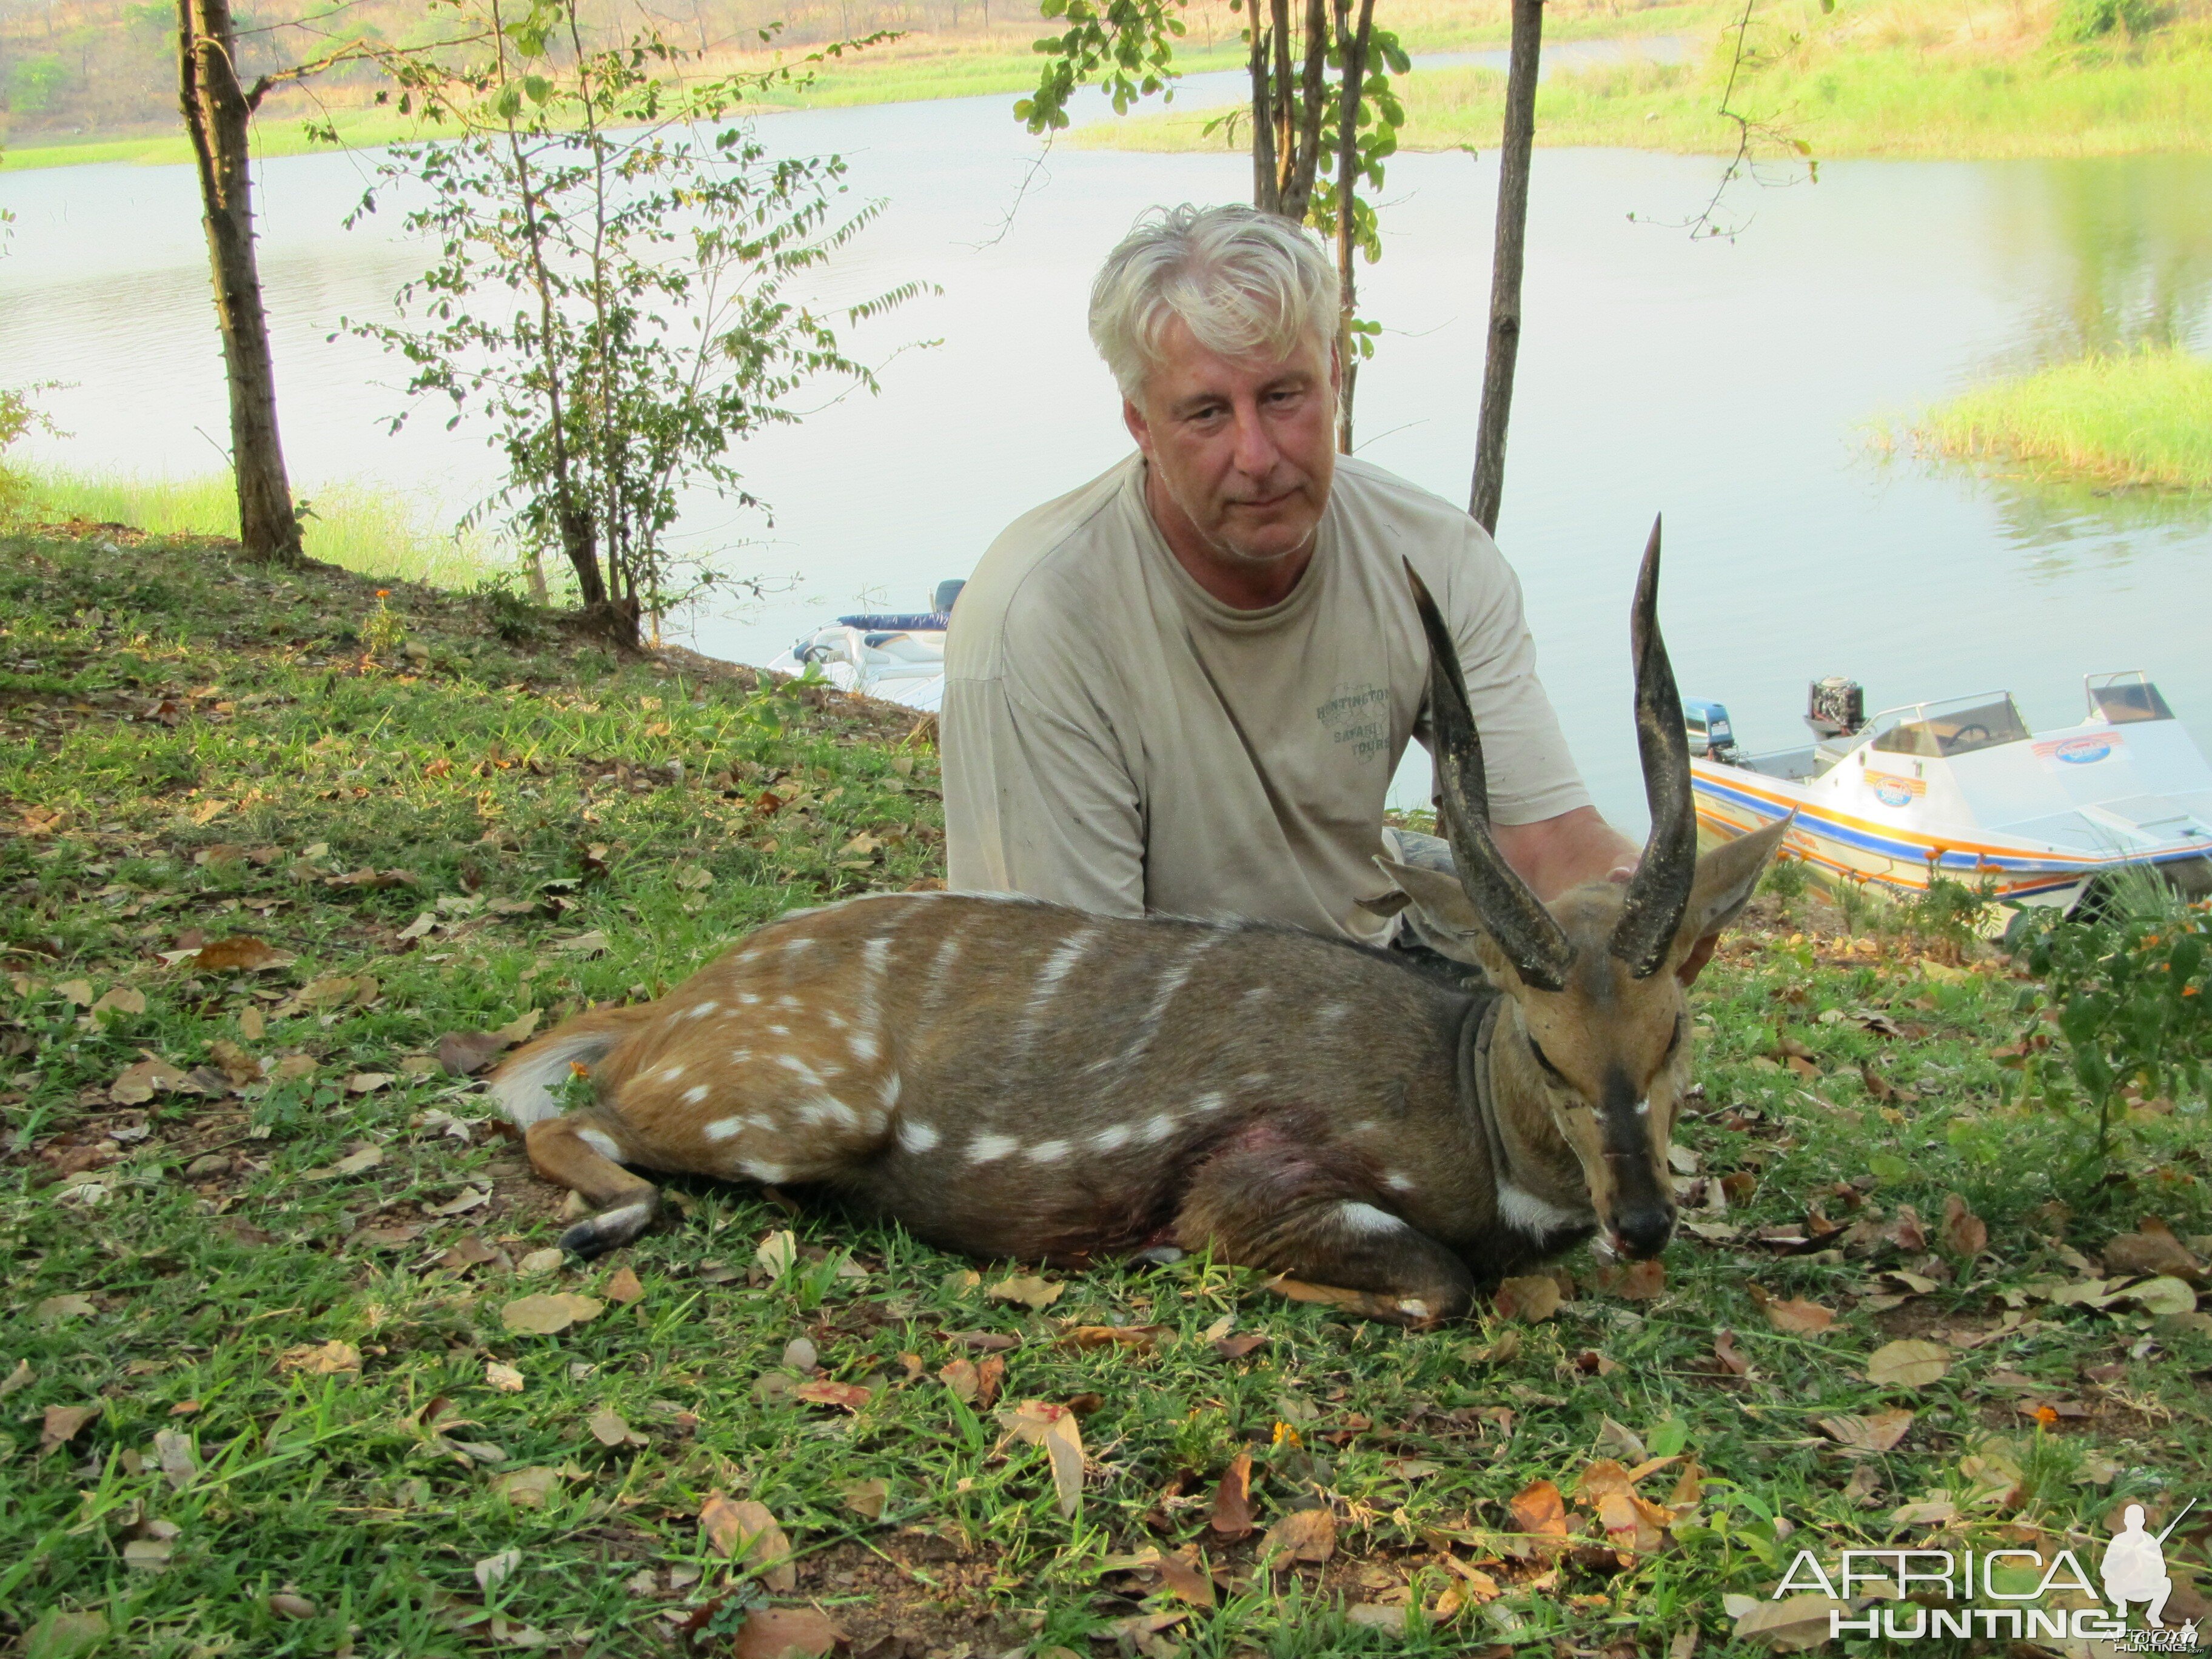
(1732, 383)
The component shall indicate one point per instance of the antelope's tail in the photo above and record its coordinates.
(524, 1084)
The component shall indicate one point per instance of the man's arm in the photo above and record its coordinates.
(1037, 803)
(1555, 853)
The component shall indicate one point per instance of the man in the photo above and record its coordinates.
(1185, 687)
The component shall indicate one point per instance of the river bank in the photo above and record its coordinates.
(2131, 420)
(1866, 81)
(920, 65)
(275, 1272)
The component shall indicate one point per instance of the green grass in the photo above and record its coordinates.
(369, 528)
(921, 66)
(191, 748)
(1838, 98)
(2137, 418)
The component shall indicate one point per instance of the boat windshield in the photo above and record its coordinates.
(1945, 730)
(2123, 699)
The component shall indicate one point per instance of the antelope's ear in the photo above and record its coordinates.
(1726, 877)
(1443, 917)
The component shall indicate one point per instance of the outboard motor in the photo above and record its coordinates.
(947, 591)
(1835, 708)
(1711, 734)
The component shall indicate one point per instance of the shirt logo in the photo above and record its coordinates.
(1358, 716)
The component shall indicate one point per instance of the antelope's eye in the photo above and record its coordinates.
(1545, 1060)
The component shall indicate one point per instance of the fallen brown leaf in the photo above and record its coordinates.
(1964, 1233)
(320, 1358)
(1799, 1317)
(1232, 1499)
(866, 1498)
(1040, 1423)
(61, 1424)
(138, 1084)
(1909, 1364)
(2151, 1250)
(959, 1375)
(1540, 1513)
(527, 1488)
(1185, 1578)
(1878, 1431)
(240, 953)
(845, 1396)
(542, 1316)
(625, 1286)
(1533, 1297)
(1301, 1536)
(747, 1532)
(1029, 1291)
(786, 1634)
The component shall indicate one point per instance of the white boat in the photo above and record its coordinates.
(1964, 789)
(897, 655)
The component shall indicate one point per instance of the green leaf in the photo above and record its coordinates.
(538, 87)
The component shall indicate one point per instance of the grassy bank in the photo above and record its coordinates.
(263, 1294)
(922, 64)
(2139, 419)
(1860, 83)
(367, 528)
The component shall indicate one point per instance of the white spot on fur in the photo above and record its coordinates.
(1365, 1126)
(916, 1136)
(1526, 1212)
(1329, 1013)
(1398, 1180)
(1253, 1080)
(748, 998)
(829, 1110)
(864, 1047)
(669, 1074)
(695, 1093)
(890, 1090)
(1107, 1141)
(1048, 1152)
(787, 1002)
(769, 1175)
(726, 1128)
(1367, 1219)
(798, 1068)
(701, 1010)
(739, 1056)
(604, 1145)
(1161, 1126)
(1211, 1101)
(985, 1149)
(791, 947)
(779, 1030)
(1413, 1307)
(1643, 1108)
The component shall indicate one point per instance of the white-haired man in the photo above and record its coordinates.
(1185, 686)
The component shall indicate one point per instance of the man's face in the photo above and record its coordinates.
(1242, 449)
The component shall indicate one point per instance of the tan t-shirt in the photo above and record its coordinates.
(1116, 739)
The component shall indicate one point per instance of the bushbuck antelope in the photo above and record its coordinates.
(1011, 1078)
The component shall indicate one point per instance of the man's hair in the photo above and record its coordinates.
(1245, 282)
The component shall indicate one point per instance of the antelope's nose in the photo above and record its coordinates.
(1642, 1233)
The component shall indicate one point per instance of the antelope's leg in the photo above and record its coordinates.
(1285, 1211)
(579, 1151)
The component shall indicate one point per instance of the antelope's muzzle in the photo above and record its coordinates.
(1642, 1219)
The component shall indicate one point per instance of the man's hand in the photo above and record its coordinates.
(1553, 855)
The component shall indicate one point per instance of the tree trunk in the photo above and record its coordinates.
(1266, 193)
(1513, 158)
(1354, 51)
(217, 110)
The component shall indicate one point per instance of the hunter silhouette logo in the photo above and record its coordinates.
(1976, 1586)
(2135, 1567)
